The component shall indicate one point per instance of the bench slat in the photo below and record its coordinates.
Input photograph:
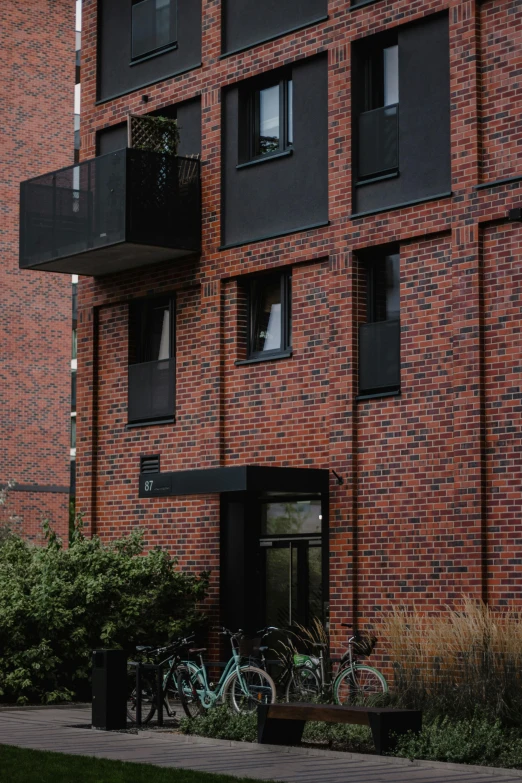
(321, 712)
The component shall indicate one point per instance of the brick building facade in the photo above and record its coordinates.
(35, 309)
(361, 172)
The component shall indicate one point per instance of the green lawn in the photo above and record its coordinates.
(18, 765)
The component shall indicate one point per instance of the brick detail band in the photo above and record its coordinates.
(37, 488)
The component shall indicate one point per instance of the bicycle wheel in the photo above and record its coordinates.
(248, 688)
(304, 685)
(148, 698)
(170, 687)
(188, 694)
(360, 684)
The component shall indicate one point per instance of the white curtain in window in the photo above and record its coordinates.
(164, 349)
(273, 331)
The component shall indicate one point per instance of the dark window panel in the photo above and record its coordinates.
(118, 72)
(284, 192)
(407, 157)
(246, 22)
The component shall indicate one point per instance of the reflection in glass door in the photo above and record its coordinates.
(291, 552)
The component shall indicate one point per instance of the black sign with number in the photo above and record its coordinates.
(155, 485)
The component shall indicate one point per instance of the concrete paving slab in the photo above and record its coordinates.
(56, 729)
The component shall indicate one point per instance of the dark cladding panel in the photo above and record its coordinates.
(288, 193)
(424, 101)
(246, 22)
(116, 74)
(111, 139)
(189, 124)
(424, 120)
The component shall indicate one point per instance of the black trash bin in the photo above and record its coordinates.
(109, 689)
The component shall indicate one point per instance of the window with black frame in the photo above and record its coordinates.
(267, 119)
(269, 316)
(291, 562)
(154, 27)
(379, 337)
(377, 108)
(151, 360)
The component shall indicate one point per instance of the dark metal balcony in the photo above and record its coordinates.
(120, 211)
(378, 141)
(379, 356)
(151, 390)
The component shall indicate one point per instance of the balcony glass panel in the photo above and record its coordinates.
(151, 390)
(378, 141)
(379, 356)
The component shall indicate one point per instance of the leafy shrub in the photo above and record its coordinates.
(57, 605)
(472, 741)
(222, 723)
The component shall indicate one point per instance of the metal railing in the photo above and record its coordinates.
(379, 356)
(131, 195)
(378, 147)
(151, 390)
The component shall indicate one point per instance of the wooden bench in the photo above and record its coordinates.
(283, 724)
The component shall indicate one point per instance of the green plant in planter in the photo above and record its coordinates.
(158, 134)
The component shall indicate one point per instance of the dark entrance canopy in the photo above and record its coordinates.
(244, 478)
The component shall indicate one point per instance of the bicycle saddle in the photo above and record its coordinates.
(197, 649)
(143, 647)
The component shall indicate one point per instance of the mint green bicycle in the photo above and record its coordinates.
(242, 686)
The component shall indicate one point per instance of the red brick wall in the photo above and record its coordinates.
(503, 372)
(421, 501)
(36, 95)
(501, 99)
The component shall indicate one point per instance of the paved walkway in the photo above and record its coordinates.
(51, 728)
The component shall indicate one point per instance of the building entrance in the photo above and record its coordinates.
(274, 566)
(291, 562)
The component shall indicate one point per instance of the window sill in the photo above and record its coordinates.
(401, 205)
(361, 4)
(265, 159)
(378, 178)
(376, 395)
(268, 357)
(151, 55)
(149, 423)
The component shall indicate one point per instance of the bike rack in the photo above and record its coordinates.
(140, 667)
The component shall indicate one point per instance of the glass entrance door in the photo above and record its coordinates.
(291, 556)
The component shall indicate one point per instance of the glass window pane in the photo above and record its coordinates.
(385, 277)
(391, 75)
(268, 120)
(158, 334)
(392, 287)
(163, 32)
(315, 584)
(293, 518)
(278, 581)
(153, 26)
(267, 315)
(290, 99)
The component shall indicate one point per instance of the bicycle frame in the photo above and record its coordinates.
(207, 695)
